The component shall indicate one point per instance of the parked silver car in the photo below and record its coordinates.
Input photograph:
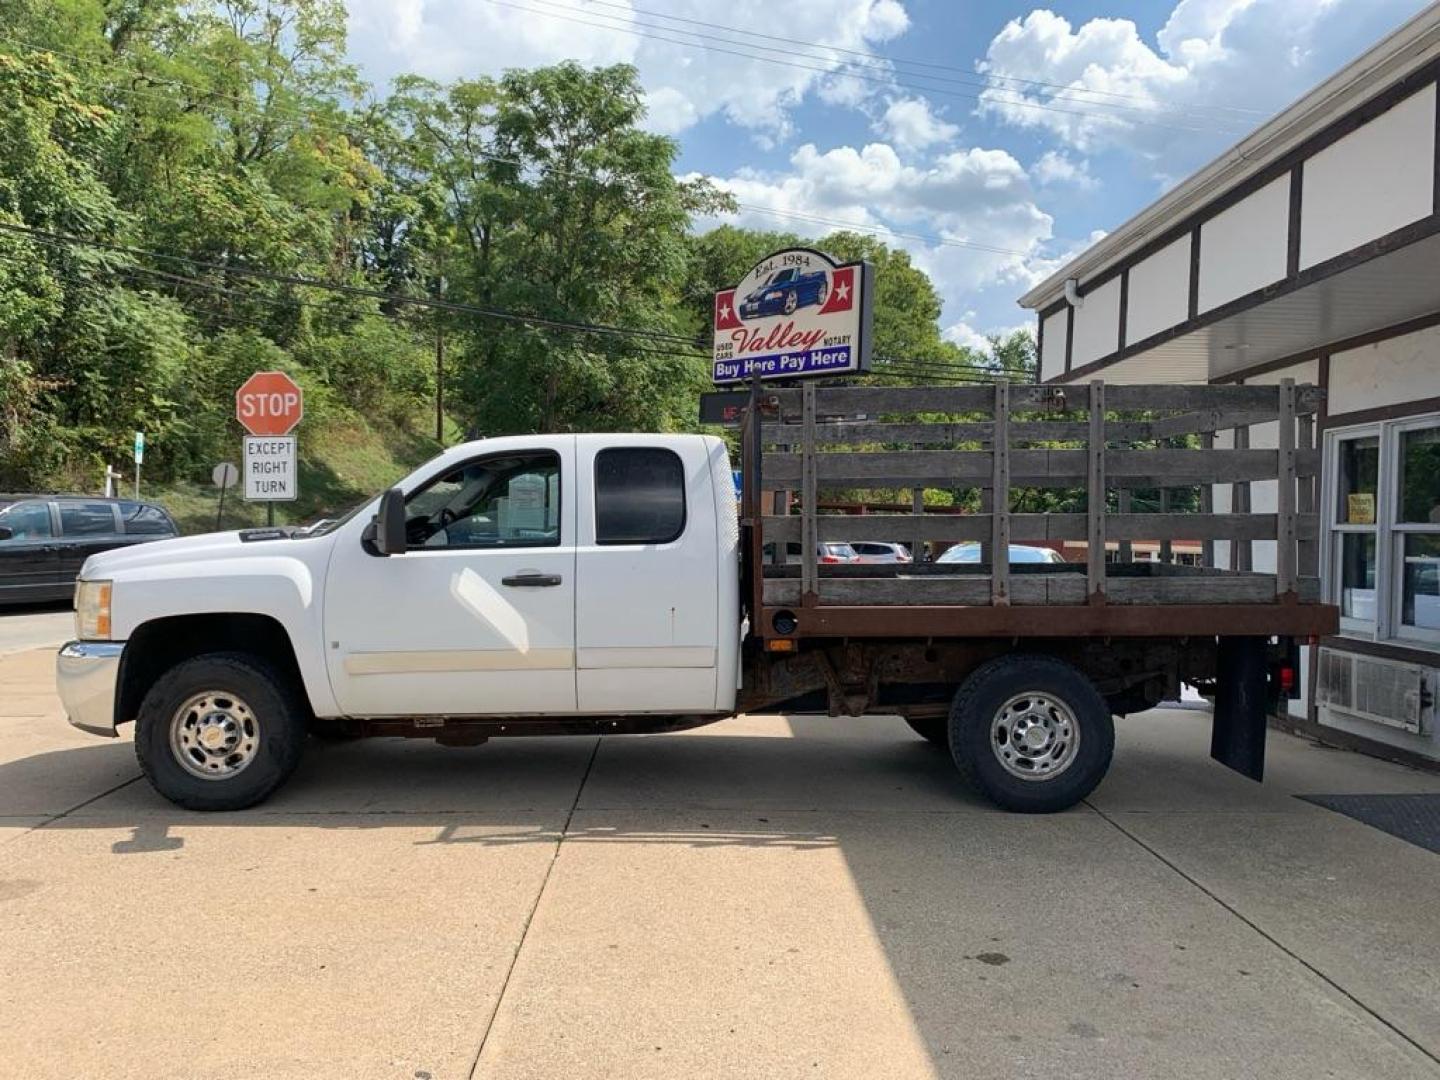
(876, 551)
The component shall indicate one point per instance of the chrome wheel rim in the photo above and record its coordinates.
(214, 735)
(1035, 736)
(788, 305)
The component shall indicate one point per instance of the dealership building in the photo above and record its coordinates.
(1308, 251)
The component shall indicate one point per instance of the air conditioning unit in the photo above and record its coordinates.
(1385, 692)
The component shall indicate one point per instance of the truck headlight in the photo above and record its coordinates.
(92, 611)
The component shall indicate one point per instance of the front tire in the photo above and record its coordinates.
(220, 732)
(790, 303)
(1032, 733)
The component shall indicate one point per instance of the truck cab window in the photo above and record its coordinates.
(512, 500)
(639, 495)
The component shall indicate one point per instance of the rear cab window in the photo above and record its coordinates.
(639, 495)
(87, 519)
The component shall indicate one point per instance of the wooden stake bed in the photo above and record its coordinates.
(993, 440)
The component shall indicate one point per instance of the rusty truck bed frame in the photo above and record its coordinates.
(1004, 437)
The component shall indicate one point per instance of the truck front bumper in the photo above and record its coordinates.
(85, 676)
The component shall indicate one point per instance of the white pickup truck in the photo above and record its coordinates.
(553, 584)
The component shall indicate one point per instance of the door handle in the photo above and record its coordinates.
(531, 581)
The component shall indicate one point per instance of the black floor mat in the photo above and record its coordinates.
(1415, 818)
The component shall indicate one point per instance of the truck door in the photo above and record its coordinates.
(477, 616)
(647, 575)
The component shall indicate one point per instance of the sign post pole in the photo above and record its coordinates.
(139, 457)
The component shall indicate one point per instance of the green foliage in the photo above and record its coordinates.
(235, 136)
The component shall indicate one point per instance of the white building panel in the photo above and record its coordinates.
(1401, 369)
(1097, 324)
(1379, 177)
(1052, 357)
(1159, 292)
(1243, 248)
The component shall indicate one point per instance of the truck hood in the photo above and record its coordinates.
(241, 544)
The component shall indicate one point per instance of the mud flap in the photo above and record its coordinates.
(1237, 739)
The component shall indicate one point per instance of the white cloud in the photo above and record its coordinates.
(972, 196)
(684, 81)
(1056, 167)
(963, 333)
(911, 124)
(1217, 70)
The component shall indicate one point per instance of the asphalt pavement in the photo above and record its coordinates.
(761, 898)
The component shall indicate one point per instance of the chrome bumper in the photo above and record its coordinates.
(85, 676)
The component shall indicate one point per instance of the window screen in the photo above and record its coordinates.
(639, 496)
(87, 519)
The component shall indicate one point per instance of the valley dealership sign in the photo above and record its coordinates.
(798, 313)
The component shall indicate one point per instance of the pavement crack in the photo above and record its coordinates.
(78, 806)
(530, 915)
(1257, 928)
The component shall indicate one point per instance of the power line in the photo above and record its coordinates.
(876, 59)
(536, 321)
(360, 136)
(629, 28)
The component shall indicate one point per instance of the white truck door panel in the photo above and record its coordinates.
(478, 616)
(646, 573)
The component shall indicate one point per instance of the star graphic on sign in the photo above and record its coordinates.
(842, 291)
(724, 312)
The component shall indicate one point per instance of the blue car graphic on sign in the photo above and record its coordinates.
(785, 291)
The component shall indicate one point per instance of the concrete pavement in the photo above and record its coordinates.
(761, 898)
(35, 626)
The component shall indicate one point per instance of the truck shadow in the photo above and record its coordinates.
(835, 811)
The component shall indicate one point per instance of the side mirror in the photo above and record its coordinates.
(389, 523)
(6, 533)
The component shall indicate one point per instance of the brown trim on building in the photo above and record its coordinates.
(1124, 306)
(1392, 241)
(1398, 411)
(1383, 650)
(1193, 304)
(1324, 374)
(1323, 352)
(1039, 350)
(1069, 336)
(1292, 239)
(1435, 190)
(1361, 115)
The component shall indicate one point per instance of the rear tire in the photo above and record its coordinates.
(1032, 733)
(933, 729)
(220, 731)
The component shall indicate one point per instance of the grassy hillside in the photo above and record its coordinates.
(348, 459)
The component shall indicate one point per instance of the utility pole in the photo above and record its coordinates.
(440, 364)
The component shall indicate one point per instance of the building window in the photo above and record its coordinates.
(1383, 529)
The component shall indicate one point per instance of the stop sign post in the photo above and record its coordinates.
(270, 403)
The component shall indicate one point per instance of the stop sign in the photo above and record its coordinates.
(269, 403)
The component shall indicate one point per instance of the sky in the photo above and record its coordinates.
(991, 140)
